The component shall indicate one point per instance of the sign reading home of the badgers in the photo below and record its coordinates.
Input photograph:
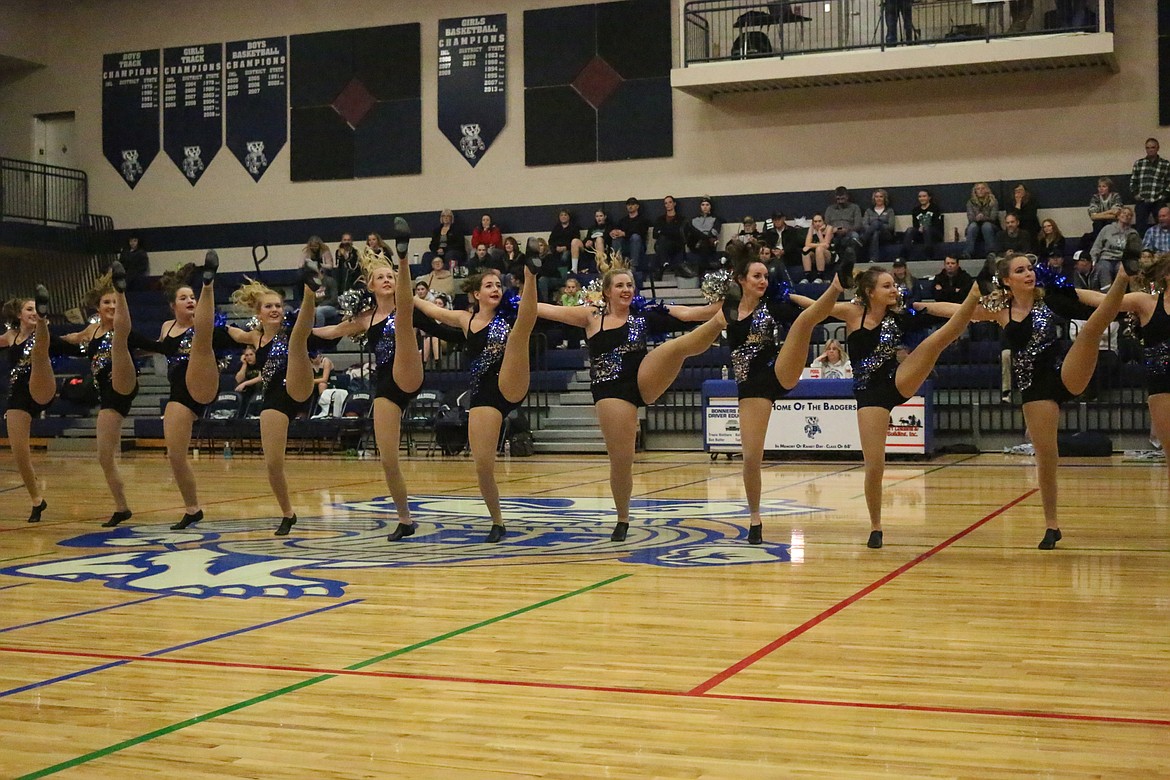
(193, 106)
(130, 112)
(472, 110)
(256, 101)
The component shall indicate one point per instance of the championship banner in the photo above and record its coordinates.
(130, 112)
(472, 105)
(256, 101)
(193, 106)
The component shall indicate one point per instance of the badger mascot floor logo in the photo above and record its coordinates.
(239, 559)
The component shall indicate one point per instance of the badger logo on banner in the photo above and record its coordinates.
(256, 101)
(130, 119)
(193, 106)
(472, 110)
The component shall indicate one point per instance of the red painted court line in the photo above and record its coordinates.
(771, 647)
(313, 670)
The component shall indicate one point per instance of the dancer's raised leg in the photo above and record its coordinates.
(299, 377)
(42, 385)
(202, 370)
(1081, 359)
(660, 367)
(920, 362)
(794, 353)
(408, 367)
(123, 374)
(514, 368)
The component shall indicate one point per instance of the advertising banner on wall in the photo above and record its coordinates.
(472, 102)
(193, 106)
(130, 118)
(256, 101)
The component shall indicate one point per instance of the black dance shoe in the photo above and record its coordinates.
(619, 532)
(756, 534)
(286, 524)
(118, 276)
(42, 301)
(188, 520)
(845, 266)
(311, 275)
(210, 265)
(35, 515)
(497, 533)
(875, 540)
(117, 518)
(401, 532)
(1131, 257)
(1051, 537)
(401, 237)
(532, 259)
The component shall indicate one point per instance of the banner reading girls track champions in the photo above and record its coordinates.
(193, 106)
(256, 101)
(130, 119)
(472, 102)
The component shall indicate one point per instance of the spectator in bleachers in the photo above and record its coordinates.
(669, 243)
(1023, 205)
(1149, 183)
(982, 218)
(630, 236)
(904, 280)
(816, 250)
(247, 375)
(513, 257)
(702, 235)
(440, 280)
(375, 249)
(846, 219)
(1104, 207)
(136, 262)
(1085, 276)
(926, 226)
(1050, 241)
(322, 370)
(488, 234)
(318, 251)
(1055, 264)
(572, 295)
(483, 260)
(877, 225)
(325, 312)
(1111, 243)
(748, 230)
(1013, 238)
(348, 263)
(952, 283)
(1157, 238)
(787, 242)
(833, 362)
(597, 238)
(768, 258)
(448, 241)
(564, 240)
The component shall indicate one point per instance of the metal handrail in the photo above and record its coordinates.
(42, 194)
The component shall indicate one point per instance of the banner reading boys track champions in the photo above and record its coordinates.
(193, 106)
(257, 101)
(130, 112)
(472, 102)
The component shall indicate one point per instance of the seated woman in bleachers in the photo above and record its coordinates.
(597, 239)
(1024, 207)
(247, 376)
(624, 375)
(1050, 242)
(375, 247)
(319, 252)
(878, 224)
(488, 233)
(32, 384)
(440, 280)
(982, 219)
(833, 362)
(926, 226)
(388, 325)
(448, 240)
(817, 249)
(565, 242)
(902, 276)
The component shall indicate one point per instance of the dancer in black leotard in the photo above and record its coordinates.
(497, 352)
(765, 371)
(624, 375)
(31, 384)
(283, 360)
(389, 329)
(875, 325)
(108, 343)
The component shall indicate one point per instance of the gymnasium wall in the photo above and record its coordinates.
(1056, 129)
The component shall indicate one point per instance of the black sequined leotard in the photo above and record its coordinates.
(272, 362)
(1037, 354)
(485, 354)
(1156, 349)
(101, 368)
(754, 348)
(614, 358)
(177, 348)
(874, 353)
(20, 370)
(381, 342)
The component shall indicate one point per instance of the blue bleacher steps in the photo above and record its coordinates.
(82, 433)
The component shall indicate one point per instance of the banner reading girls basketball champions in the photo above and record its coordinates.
(472, 110)
(193, 106)
(130, 112)
(256, 101)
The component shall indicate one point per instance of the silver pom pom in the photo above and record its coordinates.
(995, 301)
(715, 284)
(351, 302)
(94, 319)
(252, 324)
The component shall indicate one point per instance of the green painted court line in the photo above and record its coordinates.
(165, 730)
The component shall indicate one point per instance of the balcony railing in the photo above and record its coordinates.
(42, 194)
(722, 30)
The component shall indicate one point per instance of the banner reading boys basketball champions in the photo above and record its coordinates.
(472, 105)
(193, 106)
(130, 112)
(257, 101)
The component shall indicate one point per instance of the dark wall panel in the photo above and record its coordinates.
(643, 55)
(559, 127)
(629, 124)
(558, 42)
(386, 144)
(320, 145)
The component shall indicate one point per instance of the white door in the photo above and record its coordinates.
(53, 139)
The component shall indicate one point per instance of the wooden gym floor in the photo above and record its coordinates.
(958, 650)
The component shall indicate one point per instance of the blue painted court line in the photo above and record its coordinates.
(17, 585)
(176, 648)
(86, 612)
